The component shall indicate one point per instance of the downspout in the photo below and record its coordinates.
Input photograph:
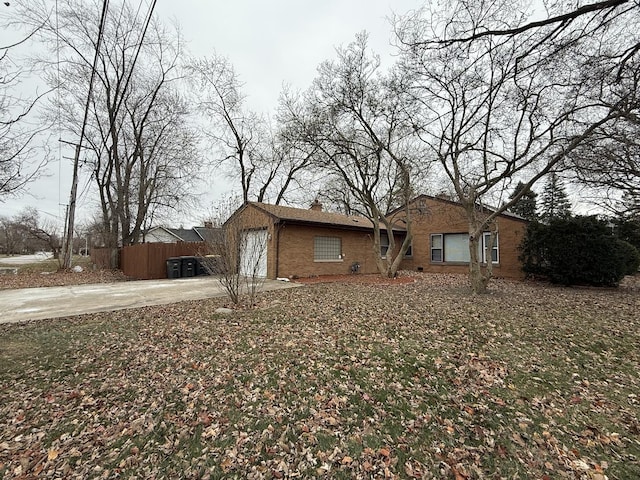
(278, 228)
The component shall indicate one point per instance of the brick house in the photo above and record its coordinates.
(301, 243)
(441, 239)
(307, 242)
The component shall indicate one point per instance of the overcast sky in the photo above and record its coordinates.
(270, 43)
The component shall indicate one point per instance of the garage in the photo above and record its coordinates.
(253, 253)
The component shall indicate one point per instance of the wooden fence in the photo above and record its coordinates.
(147, 261)
(101, 257)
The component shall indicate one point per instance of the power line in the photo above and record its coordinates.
(74, 184)
(147, 20)
(59, 106)
(74, 187)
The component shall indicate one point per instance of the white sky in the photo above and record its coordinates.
(269, 43)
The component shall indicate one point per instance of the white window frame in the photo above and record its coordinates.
(327, 249)
(486, 238)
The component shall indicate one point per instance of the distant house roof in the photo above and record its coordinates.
(186, 234)
(209, 234)
(195, 234)
(317, 217)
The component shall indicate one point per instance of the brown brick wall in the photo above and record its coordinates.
(445, 217)
(290, 246)
(296, 251)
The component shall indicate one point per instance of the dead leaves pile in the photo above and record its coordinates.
(422, 380)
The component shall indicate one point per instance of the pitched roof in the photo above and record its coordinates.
(186, 234)
(506, 213)
(209, 234)
(317, 217)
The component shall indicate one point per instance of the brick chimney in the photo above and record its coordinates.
(208, 224)
(316, 205)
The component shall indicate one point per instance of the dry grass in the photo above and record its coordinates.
(48, 274)
(420, 380)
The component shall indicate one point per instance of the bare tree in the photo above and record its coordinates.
(265, 161)
(27, 232)
(499, 98)
(42, 234)
(236, 130)
(17, 133)
(141, 147)
(219, 212)
(353, 119)
(609, 164)
(239, 258)
(12, 239)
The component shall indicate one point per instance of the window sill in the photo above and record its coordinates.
(339, 260)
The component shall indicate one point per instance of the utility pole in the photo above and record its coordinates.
(68, 248)
(71, 209)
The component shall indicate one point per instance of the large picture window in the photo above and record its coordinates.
(327, 249)
(454, 248)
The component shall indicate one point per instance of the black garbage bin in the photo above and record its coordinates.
(201, 266)
(189, 266)
(174, 267)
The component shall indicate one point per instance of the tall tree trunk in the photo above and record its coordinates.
(478, 278)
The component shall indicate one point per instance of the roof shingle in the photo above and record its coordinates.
(317, 217)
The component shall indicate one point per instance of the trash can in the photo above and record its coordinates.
(201, 266)
(174, 267)
(189, 266)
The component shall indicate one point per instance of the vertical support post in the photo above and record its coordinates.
(68, 247)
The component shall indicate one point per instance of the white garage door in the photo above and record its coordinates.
(253, 253)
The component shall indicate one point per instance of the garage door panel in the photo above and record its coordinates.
(253, 253)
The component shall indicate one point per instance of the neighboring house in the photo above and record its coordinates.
(173, 235)
(298, 242)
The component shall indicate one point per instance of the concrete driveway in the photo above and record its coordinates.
(51, 302)
(26, 259)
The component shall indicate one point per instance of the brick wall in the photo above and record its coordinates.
(296, 248)
(290, 246)
(445, 217)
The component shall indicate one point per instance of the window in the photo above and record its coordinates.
(486, 239)
(454, 247)
(327, 249)
(436, 247)
(384, 244)
(409, 252)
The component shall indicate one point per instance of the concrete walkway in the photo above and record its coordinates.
(51, 302)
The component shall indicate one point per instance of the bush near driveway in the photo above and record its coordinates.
(420, 380)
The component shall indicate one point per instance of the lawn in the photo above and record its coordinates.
(419, 380)
(47, 274)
